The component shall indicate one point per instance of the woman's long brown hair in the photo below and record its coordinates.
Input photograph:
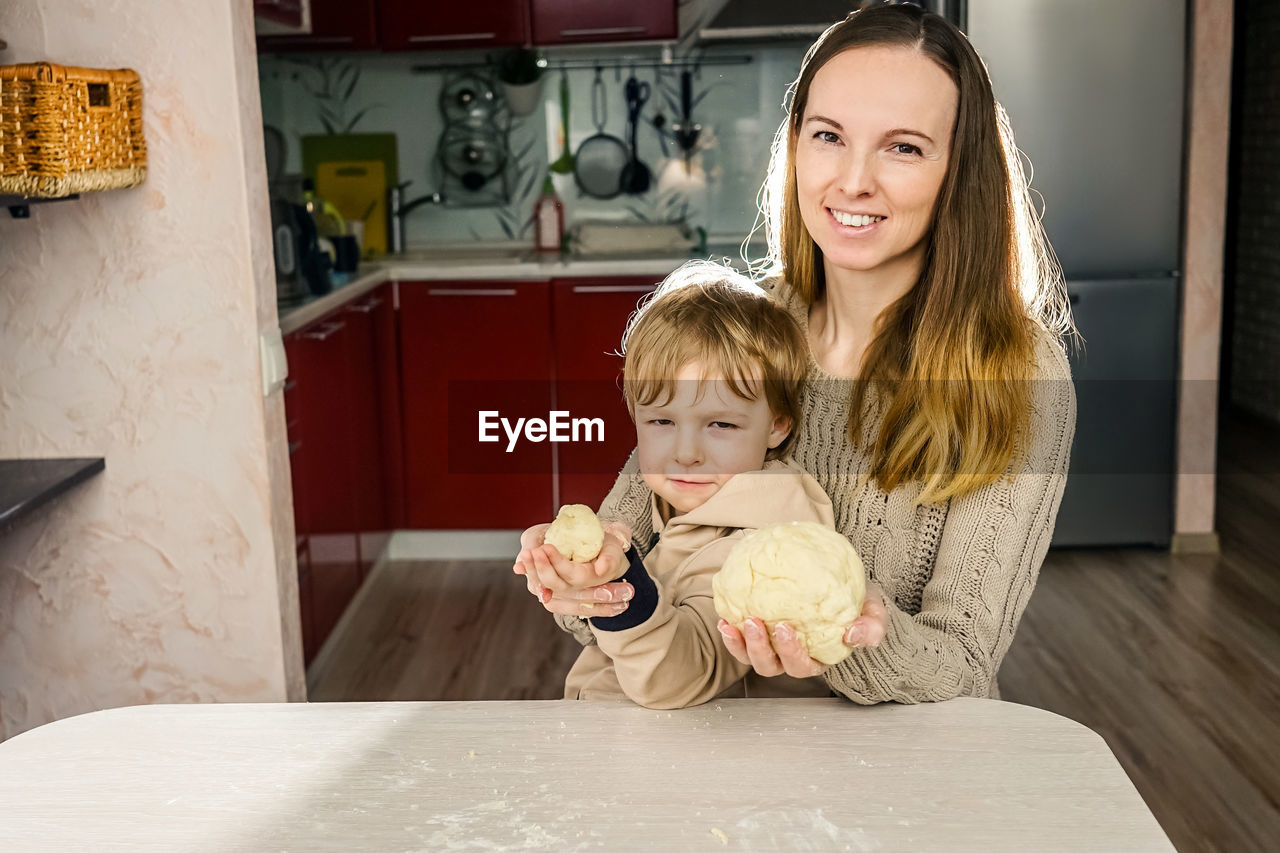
(952, 358)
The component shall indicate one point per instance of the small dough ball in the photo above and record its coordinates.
(576, 533)
(801, 573)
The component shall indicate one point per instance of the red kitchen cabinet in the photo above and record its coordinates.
(390, 429)
(415, 25)
(590, 317)
(467, 348)
(334, 584)
(342, 410)
(335, 25)
(305, 608)
(317, 408)
(318, 363)
(287, 12)
(374, 400)
(364, 402)
(577, 21)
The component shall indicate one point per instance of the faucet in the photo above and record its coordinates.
(397, 207)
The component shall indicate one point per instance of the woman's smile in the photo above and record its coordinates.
(856, 223)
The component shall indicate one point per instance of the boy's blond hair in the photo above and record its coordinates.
(708, 314)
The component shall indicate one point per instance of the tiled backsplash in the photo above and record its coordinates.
(739, 112)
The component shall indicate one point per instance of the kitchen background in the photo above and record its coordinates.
(1059, 74)
(738, 106)
(132, 325)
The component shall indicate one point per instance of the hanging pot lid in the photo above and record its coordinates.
(473, 153)
(467, 97)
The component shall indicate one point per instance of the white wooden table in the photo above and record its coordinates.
(764, 774)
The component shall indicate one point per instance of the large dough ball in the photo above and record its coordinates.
(576, 533)
(801, 573)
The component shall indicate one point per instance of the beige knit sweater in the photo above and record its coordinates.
(956, 576)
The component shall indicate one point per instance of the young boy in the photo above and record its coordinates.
(712, 378)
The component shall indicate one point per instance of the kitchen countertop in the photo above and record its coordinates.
(737, 774)
(521, 265)
(28, 483)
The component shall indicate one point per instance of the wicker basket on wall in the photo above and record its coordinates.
(66, 130)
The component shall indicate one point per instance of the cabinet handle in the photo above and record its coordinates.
(325, 332)
(365, 307)
(455, 37)
(311, 39)
(613, 288)
(448, 291)
(603, 31)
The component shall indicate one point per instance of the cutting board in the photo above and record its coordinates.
(358, 188)
(348, 148)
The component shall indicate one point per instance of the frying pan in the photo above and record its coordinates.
(601, 158)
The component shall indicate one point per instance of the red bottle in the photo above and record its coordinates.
(548, 220)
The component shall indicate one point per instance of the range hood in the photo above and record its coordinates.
(727, 21)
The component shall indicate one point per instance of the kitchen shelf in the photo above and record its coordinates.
(20, 205)
(27, 484)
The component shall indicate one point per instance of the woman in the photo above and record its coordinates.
(939, 412)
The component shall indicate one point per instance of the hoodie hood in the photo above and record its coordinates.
(781, 491)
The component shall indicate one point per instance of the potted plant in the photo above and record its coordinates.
(521, 78)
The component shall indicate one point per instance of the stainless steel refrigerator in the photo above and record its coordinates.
(1095, 93)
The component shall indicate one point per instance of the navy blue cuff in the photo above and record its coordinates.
(643, 603)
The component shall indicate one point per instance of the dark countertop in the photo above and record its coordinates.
(26, 484)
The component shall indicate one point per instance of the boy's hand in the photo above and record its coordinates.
(576, 589)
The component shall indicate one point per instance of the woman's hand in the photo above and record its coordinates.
(785, 653)
(576, 589)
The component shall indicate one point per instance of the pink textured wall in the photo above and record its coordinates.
(129, 326)
(1209, 101)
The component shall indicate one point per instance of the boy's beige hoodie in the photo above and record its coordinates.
(676, 657)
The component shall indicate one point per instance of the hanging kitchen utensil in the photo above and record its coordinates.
(686, 131)
(471, 153)
(636, 176)
(601, 157)
(467, 98)
(564, 165)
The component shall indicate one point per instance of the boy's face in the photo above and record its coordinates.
(691, 446)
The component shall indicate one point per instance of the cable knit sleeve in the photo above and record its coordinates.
(628, 502)
(990, 549)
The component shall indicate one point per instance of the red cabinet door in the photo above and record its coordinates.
(309, 646)
(335, 25)
(319, 410)
(467, 348)
(573, 21)
(419, 25)
(288, 12)
(386, 358)
(590, 317)
(365, 407)
(293, 431)
(318, 362)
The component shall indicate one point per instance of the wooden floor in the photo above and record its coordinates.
(1173, 659)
